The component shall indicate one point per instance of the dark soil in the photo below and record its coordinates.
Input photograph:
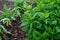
(17, 32)
(9, 4)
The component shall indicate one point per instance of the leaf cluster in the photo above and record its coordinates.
(43, 21)
(6, 19)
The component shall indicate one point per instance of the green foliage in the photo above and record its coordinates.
(43, 15)
(43, 21)
(20, 4)
(7, 13)
(6, 18)
(40, 23)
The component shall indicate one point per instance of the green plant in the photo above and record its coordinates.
(20, 4)
(6, 19)
(42, 22)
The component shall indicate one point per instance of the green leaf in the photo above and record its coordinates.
(54, 22)
(5, 31)
(30, 30)
(44, 15)
(34, 16)
(28, 7)
(24, 23)
(57, 29)
(41, 6)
